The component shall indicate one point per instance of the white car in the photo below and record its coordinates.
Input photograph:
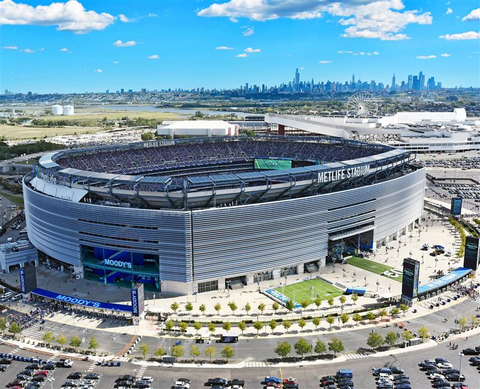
(385, 376)
(182, 384)
(436, 375)
(148, 379)
(444, 365)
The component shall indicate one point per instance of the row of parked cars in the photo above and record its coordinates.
(130, 381)
(32, 377)
(391, 377)
(275, 382)
(78, 380)
(10, 296)
(441, 374)
(343, 379)
(221, 383)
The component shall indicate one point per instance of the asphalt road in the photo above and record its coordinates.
(307, 376)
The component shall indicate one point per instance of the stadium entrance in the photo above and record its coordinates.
(121, 268)
(340, 246)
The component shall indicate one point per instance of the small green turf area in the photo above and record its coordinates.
(301, 291)
(371, 266)
(16, 199)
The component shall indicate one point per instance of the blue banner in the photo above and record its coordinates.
(80, 301)
(23, 288)
(444, 281)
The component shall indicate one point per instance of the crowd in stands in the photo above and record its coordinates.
(164, 158)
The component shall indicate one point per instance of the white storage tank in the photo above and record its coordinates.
(68, 110)
(57, 110)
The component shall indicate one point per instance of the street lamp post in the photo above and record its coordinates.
(460, 367)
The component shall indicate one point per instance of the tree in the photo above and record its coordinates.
(146, 136)
(344, 318)
(407, 335)
(370, 316)
(62, 340)
(227, 326)
(261, 307)
(336, 345)
(331, 302)
(75, 341)
(462, 322)
(183, 326)
(272, 325)
(404, 308)
(318, 302)
(357, 318)
(212, 328)
(302, 347)
(290, 305)
(48, 337)
(174, 307)
(210, 352)
(202, 308)
(394, 311)
(330, 320)
(197, 326)
(217, 308)
(375, 340)
(320, 347)
(302, 323)
(177, 351)
(242, 326)
(195, 351)
(423, 333)
(160, 352)
(233, 307)
(169, 324)
(316, 322)
(144, 349)
(258, 325)
(391, 338)
(343, 299)
(382, 313)
(14, 329)
(286, 324)
(93, 344)
(305, 304)
(275, 306)
(283, 349)
(474, 321)
(3, 324)
(189, 307)
(247, 308)
(354, 298)
(227, 352)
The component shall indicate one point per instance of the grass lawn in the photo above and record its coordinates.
(303, 290)
(371, 266)
(16, 199)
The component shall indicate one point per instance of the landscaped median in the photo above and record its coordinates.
(374, 267)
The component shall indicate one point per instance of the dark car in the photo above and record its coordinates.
(470, 351)
(327, 380)
(27, 372)
(141, 384)
(75, 376)
(5, 361)
(48, 366)
(39, 378)
(23, 377)
(33, 366)
(396, 370)
(345, 382)
(435, 370)
(216, 381)
(126, 377)
(451, 371)
(440, 383)
(92, 376)
(403, 386)
(124, 383)
(16, 383)
(290, 385)
(455, 377)
(233, 382)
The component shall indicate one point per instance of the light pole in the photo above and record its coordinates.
(460, 367)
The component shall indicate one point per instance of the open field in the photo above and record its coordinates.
(83, 115)
(371, 266)
(301, 291)
(16, 199)
(23, 132)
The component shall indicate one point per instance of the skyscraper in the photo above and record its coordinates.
(421, 81)
(297, 80)
(394, 84)
(410, 82)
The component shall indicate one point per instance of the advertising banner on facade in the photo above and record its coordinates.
(411, 270)
(471, 256)
(138, 299)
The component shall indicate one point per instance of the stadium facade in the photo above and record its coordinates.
(195, 215)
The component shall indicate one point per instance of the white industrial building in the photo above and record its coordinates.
(57, 110)
(67, 110)
(197, 128)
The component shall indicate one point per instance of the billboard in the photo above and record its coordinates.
(138, 299)
(456, 206)
(411, 270)
(28, 278)
(471, 256)
(272, 164)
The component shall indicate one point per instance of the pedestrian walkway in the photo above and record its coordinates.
(255, 364)
(356, 356)
(141, 372)
(92, 367)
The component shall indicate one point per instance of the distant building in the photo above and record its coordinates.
(15, 254)
(197, 128)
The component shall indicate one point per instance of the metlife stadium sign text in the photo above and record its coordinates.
(343, 174)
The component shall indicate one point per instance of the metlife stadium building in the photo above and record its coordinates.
(195, 215)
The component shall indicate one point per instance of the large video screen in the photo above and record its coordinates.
(456, 206)
(272, 164)
(470, 259)
(411, 269)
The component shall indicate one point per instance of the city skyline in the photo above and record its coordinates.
(94, 46)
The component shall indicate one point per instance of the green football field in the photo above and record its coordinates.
(371, 266)
(306, 289)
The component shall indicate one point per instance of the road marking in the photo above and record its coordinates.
(92, 366)
(255, 364)
(355, 356)
(141, 372)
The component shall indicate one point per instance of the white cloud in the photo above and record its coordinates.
(242, 55)
(249, 31)
(10, 47)
(250, 50)
(123, 18)
(152, 15)
(69, 16)
(99, 71)
(223, 48)
(119, 43)
(116, 62)
(42, 49)
(474, 15)
(65, 50)
(28, 51)
(358, 52)
(446, 55)
(381, 19)
(324, 62)
(462, 36)
(426, 56)
(449, 11)
(154, 56)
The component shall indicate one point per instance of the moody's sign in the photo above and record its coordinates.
(80, 301)
(23, 287)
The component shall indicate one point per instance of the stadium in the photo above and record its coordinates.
(200, 214)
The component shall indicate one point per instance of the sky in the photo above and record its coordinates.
(93, 45)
